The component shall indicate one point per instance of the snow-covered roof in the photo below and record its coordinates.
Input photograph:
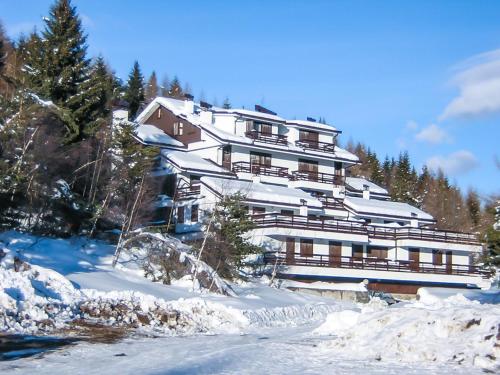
(152, 134)
(357, 183)
(261, 192)
(176, 106)
(190, 161)
(311, 124)
(376, 207)
(249, 113)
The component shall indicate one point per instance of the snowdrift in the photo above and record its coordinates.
(451, 330)
(35, 299)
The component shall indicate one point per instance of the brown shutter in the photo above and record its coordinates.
(414, 257)
(437, 258)
(306, 247)
(335, 253)
(290, 249)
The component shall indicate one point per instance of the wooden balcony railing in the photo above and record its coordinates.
(260, 169)
(187, 192)
(267, 137)
(305, 222)
(422, 234)
(374, 264)
(344, 226)
(325, 178)
(315, 145)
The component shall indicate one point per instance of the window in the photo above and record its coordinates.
(338, 168)
(259, 158)
(159, 113)
(194, 213)
(377, 252)
(357, 251)
(437, 258)
(258, 210)
(178, 128)
(305, 135)
(180, 215)
(287, 212)
(194, 178)
(306, 247)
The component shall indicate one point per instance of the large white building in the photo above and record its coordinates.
(314, 222)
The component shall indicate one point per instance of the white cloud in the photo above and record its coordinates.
(411, 125)
(456, 163)
(432, 134)
(478, 81)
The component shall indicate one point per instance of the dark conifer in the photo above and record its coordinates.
(134, 92)
(175, 90)
(152, 88)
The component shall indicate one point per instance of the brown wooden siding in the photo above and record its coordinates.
(164, 119)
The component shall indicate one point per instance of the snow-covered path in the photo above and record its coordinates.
(272, 351)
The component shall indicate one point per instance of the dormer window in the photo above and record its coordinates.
(178, 128)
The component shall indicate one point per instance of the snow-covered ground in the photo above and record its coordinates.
(261, 330)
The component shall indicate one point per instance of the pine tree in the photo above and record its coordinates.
(152, 89)
(66, 64)
(30, 52)
(175, 90)
(226, 104)
(165, 86)
(473, 207)
(404, 180)
(94, 106)
(375, 171)
(387, 171)
(134, 92)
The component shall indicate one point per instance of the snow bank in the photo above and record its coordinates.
(38, 299)
(436, 295)
(452, 330)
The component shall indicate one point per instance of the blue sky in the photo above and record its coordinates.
(421, 76)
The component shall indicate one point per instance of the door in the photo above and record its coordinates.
(335, 253)
(290, 250)
(449, 262)
(414, 258)
(309, 168)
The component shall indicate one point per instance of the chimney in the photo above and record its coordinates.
(414, 220)
(366, 192)
(188, 103)
(303, 207)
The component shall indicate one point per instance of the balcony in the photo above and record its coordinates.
(374, 264)
(423, 234)
(260, 169)
(187, 192)
(330, 202)
(276, 139)
(325, 178)
(316, 146)
(344, 226)
(305, 222)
